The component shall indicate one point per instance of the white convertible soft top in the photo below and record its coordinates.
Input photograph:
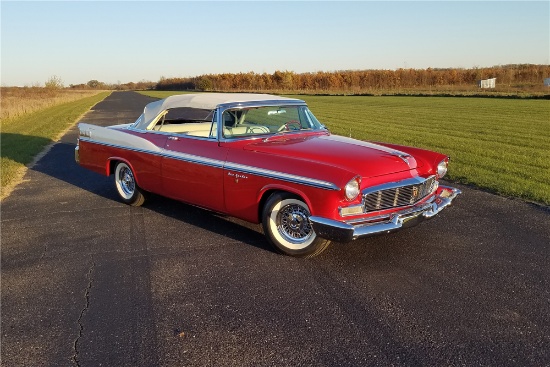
(203, 101)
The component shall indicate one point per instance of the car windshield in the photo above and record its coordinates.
(268, 120)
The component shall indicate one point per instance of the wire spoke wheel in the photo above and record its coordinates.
(293, 223)
(127, 182)
(285, 221)
(126, 186)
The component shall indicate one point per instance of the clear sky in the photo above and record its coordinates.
(144, 40)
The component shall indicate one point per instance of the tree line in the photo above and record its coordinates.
(358, 81)
(518, 76)
(96, 84)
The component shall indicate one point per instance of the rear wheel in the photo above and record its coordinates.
(285, 221)
(126, 185)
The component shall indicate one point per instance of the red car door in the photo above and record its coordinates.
(192, 171)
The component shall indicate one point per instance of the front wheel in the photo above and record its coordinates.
(285, 221)
(126, 185)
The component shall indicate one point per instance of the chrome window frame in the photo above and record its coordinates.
(217, 116)
(220, 109)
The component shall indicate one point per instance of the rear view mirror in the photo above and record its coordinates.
(275, 112)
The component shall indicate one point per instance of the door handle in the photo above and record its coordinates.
(173, 138)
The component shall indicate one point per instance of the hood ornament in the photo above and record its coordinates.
(404, 157)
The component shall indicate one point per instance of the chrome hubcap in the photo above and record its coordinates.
(293, 223)
(127, 181)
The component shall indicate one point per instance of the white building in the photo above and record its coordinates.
(487, 83)
(547, 82)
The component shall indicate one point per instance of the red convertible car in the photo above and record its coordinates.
(267, 159)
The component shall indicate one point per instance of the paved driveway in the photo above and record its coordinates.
(89, 281)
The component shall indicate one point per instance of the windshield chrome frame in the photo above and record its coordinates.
(220, 109)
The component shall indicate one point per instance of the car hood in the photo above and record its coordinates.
(361, 157)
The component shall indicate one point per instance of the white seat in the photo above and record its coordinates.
(184, 128)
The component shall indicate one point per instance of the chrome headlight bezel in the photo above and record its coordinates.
(442, 168)
(352, 189)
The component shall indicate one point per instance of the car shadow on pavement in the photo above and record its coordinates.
(59, 163)
(232, 228)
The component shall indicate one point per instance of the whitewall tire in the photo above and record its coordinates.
(126, 185)
(285, 221)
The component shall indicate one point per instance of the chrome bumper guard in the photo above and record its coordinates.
(76, 155)
(347, 231)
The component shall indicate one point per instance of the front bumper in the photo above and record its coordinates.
(346, 231)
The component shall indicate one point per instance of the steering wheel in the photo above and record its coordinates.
(257, 130)
(288, 124)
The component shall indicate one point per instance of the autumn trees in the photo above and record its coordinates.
(360, 81)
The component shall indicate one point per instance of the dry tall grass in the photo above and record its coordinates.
(16, 102)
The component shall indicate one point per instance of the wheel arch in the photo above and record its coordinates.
(269, 190)
(112, 162)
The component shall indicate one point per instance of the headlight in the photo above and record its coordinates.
(442, 168)
(352, 188)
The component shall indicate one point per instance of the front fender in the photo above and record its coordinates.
(279, 187)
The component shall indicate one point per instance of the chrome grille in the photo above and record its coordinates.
(398, 194)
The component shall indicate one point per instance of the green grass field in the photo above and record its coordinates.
(501, 145)
(24, 137)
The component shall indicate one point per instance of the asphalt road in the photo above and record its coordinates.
(89, 281)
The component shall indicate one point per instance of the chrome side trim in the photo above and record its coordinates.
(281, 176)
(132, 149)
(226, 165)
(193, 159)
(166, 153)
